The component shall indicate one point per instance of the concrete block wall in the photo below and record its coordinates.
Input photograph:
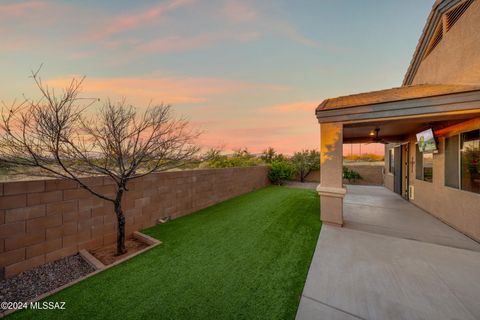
(371, 174)
(45, 220)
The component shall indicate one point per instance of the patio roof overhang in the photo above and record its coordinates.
(436, 105)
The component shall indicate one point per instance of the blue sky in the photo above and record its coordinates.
(249, 73)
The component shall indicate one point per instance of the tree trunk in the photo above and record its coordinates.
(120, 224)
(306, 174)
(302, 176)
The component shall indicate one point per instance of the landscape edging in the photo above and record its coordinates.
(97, 265)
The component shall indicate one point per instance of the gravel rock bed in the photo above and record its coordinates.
(30, 284)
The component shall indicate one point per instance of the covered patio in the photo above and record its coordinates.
(406, 250)
(393, 117)
(391, 260)
(381, 211)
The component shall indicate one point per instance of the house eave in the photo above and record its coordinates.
(464, 102)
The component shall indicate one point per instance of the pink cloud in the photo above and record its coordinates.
(12, 45)
(256, 142)
(248, 25)
(222, 123)
(239, 11)
(176, 43)
(35, 16)
(34, 13)
(169, 90)
(257, 131)
(81, 54)
(134, 20)
(260, 131)
(285, 137)
(292, 107)
(242, 12)
(21, 8)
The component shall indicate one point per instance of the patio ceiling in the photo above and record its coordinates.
(398, 130)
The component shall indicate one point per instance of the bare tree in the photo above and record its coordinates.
(60, 138)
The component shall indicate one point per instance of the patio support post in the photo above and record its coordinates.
(331, 188)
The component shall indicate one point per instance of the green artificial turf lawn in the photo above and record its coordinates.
(245, 258)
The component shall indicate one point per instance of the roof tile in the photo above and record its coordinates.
(394, 94)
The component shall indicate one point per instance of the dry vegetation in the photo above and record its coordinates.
(369, 157)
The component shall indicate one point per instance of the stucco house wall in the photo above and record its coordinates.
(457, 208)
(456, 59)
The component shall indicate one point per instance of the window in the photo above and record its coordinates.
(391, 161)
(462, 161)
(470, 161)
(418, 164)
(428, 167)
(423, 166)
(452, 162)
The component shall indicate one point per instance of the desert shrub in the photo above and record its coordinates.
(350, 174)
(269, 155)
(280, 170)
(4, 168)
(230, 162)
(212, 154)
(305, 162)
(214, 158)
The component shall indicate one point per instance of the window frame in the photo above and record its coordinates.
(391, 160)
(459, 167)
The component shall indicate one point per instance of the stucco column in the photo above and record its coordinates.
(331, 189)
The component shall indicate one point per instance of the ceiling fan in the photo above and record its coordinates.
(375, 134)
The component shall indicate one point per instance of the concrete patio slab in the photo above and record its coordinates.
(372, 276)
(392, 261)
(378, 210)
(312, 309)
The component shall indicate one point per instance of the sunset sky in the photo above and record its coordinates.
(248, 73)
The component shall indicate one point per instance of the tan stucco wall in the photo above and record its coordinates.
(457, 208)
(456, 59)
(388, 180)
